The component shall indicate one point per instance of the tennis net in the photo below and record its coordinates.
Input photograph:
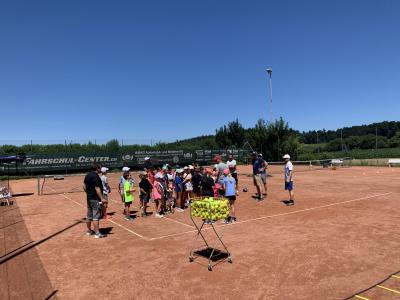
(310, 165)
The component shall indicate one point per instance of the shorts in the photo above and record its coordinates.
(264, 177)
(289, 185)
(94, 210)
(231, 198)
(234, 175)
(145, 198)
(128, 203)
(257, 180)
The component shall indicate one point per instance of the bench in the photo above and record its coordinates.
(393, 161)
(336, 162)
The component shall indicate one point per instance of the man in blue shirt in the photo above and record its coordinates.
(258, 164)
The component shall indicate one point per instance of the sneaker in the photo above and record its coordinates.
(260, 199)
(290, 203)
(158, 215)
(99, 235)
(128, 218)
(226, 221)
(233, 220)
(90, 232)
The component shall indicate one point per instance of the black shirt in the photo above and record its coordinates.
(92, 180)
(207, 184)
(197, 181)
(146, 186)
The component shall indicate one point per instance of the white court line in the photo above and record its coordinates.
(122, 226)
(277, 215)
(179, 222)
(164, 218)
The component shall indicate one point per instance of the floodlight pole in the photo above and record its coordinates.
(269, 71)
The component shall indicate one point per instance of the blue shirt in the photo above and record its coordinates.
(229, 185)
(257, 166)
(178, 181)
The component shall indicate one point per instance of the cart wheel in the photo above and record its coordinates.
(229, 260)
(209, 268)
(191, 259)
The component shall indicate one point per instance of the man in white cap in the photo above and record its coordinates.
(147, 163)
(289, 179)
(106, 190)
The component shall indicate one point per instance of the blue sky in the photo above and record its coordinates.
(167, 70)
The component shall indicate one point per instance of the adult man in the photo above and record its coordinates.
(263, 173)
(289, 178)
(231, 163)
(147, 163)
(219, 167)
(257, 167)
(94, 196)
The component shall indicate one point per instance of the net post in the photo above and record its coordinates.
(38, 185)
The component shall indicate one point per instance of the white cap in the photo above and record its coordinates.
(125, 169)
(104, 169)
(146, 158)
(179, 171)
(191, 167)
(185, 168)
(286, 156)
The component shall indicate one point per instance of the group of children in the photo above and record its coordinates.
(171, 189)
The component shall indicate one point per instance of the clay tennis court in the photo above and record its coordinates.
(340, 238)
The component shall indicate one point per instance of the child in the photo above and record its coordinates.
(158, 194)
(289, 179)
(106, 191)
(169, 196)
(178, 188)
(229, 184)
(128, 195)
(121, 186)
(188, 189)
(145, 189)
(207, 184)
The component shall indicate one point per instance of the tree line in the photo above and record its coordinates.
(272, 139)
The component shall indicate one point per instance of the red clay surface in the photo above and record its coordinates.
(341, 237)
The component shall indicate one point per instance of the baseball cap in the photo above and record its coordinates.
(146, 158)
(191, 167)
(104, 169)
(125, 169)
(185, 168)
(217, 157)
(286, 156)
(143, 173)
(179, 171)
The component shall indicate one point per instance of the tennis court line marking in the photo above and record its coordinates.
(361, 297)
(165, 218)
(179, 222)
(397, 277)
(278, 215)
(388, 289)
(122, 226)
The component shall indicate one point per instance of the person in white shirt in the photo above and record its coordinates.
(289, 178)
(231, 164)
(106, 190)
